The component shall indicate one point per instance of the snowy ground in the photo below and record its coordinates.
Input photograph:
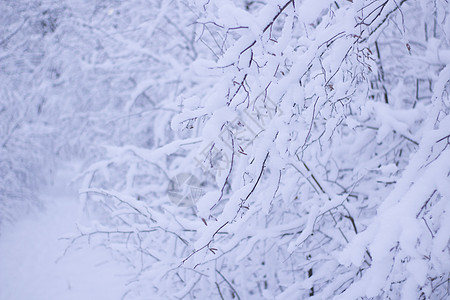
(29, 252)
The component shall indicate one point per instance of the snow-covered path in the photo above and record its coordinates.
(29, 251)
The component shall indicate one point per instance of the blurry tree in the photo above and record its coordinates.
(76, 76)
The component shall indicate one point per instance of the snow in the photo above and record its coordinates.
(318, 130)
(31, 261)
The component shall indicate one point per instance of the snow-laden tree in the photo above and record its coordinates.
(76, 76)
(24, 134)
(317, 134)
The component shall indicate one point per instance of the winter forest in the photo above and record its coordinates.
(225, 149)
